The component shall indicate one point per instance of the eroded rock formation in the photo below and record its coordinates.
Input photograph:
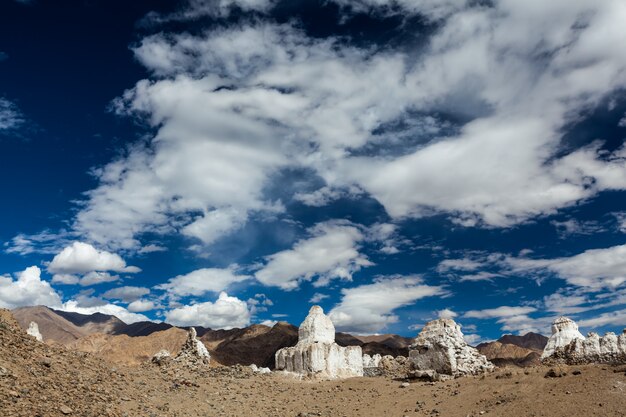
(564, 330)
(33, 330)
(440, 347)
(316, 354)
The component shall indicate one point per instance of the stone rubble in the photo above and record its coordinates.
(316, 354)
(33, 330)
(564, 330)
(193, 351)
(440, 347)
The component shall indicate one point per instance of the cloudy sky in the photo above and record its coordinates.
(227, 162)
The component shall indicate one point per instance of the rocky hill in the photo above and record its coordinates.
(41, 380)
(511, 350)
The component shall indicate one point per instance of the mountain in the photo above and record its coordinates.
(135, 343)
(515, 350)
(533, 341)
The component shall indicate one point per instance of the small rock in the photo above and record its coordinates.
(404, 385)
(65, 410)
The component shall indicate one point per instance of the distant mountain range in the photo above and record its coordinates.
(135, 343)
(515, 350)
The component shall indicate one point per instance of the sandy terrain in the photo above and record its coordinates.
(41, 380)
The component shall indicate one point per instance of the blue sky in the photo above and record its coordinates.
(227, 162)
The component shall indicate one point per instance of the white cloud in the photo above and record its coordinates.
(225, 313)
(503, 311)
(152, 248)
(28, 289)
(127, 293)
(317, 297)
(332, 252)
(44, 242)
(140, 306)
(110, 309)
(202, 281)
(369, 308)
(80, 258)
(10, 116)
(594, 268)
(446, 313)
(614, 318)
(622, 122)
(234, 106)
(432, 9)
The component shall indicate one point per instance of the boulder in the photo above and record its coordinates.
(193, 351)
(564, 330)
(161, 357)
(316, 354)
(33, 330)
(609, 349)
(440, 347)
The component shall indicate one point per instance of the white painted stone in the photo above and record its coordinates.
(258, 370)
(161, 357)
(440, 347)
(564, 330)
(316, 354)
(33, 330)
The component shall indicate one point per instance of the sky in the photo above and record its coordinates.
(227, 162)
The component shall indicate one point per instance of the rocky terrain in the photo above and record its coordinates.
(512, 350)
(41, 380)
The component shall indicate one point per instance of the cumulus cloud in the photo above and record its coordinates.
(225, 313)
(202, 281)
(127, 293)
(27, 289)
(331, 252)
(140, 306)
(369, 308)
(233, 106)
(80, 258)
(110, 309)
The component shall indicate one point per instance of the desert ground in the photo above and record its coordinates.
(41, 380)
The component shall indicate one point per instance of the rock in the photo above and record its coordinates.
(193, 351)
(404, 385)
(440, 347)
(161, 357)
(554, 373)
(564, 330)
(33, 330)
(65, 410)
(258, 370)
(316, 354)
(609, 349)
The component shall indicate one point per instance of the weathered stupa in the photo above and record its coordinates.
(316, 354)
(440, 347)
(568, 345)
(193, 351)
(564, 330)
(33, 330)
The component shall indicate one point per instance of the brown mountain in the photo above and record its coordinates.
(119, 342)
(533, 341)
(515, 350)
